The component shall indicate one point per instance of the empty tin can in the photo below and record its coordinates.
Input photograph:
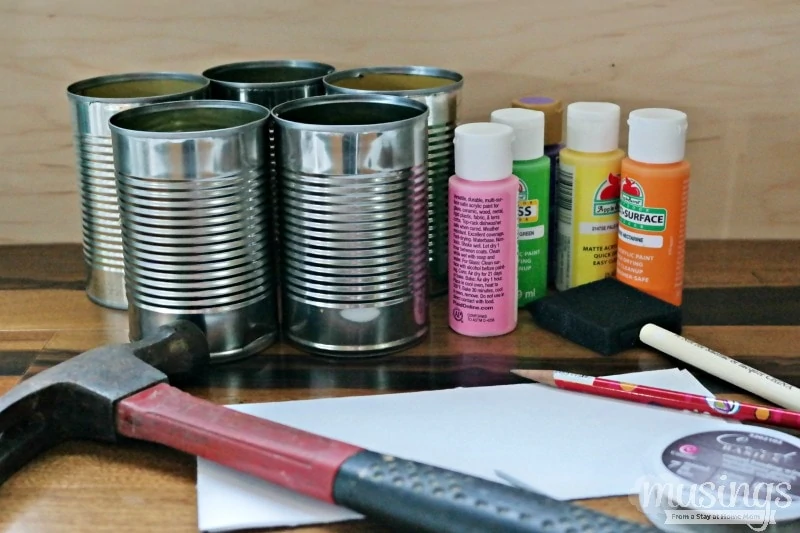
(191, 185)
(354, 190)
(93, 101)
(440, 90)
(268, 83)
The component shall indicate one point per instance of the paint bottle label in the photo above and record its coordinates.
(533, 212)
(483, 260)
(652, 233)
(588, 199)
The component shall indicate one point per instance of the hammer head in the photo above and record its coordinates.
(77, 399)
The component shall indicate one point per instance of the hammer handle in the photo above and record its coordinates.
(394, 490)
(292, 458)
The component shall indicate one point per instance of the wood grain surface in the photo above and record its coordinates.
(730, 65)
(741, 300)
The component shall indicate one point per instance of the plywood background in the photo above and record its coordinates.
(733, 65)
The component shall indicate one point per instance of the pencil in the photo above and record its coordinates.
(665, 398)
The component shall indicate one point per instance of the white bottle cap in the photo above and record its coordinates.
(528, 127)
(483, 151)
(656, 135)
(593, 127)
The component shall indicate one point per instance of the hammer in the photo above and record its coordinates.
(122, 391)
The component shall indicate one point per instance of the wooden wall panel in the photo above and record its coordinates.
(732, 65)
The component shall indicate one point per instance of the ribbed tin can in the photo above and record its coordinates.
(440, 90)
(268, 83)
(191, 180)
(354, 188)
(93, 101)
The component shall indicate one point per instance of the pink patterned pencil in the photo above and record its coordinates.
(666, 398)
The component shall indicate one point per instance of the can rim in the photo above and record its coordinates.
(74, 90)
(400, 101)
(212, 72)
(419, 70)
(113, 122)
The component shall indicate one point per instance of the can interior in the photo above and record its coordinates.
(349, 113)
(188, 119)
(392, 82)
(266, 73)
(141, 88)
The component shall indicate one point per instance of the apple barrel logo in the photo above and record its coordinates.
(633, 211)
(606, 197)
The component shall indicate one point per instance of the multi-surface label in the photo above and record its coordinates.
(651, 235)
(588, 203)
(634, 212)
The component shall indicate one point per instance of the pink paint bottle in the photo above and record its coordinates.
(483, 231)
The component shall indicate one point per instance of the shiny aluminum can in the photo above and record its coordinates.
(191, 181)
(93, 101)
(268, 83)
(440, 90)
(354, 240)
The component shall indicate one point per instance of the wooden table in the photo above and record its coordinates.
(742, 298)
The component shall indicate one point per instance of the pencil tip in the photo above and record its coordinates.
(541, 376)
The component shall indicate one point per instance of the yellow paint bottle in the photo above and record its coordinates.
(588, 195)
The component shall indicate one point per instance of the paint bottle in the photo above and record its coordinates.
(553, 110)
(532, 168)
(653, 202)
(588, 195)
(483, 236)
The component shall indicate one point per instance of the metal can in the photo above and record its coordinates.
(268, 83)
(440, 90)
(354, 189)
(192, 196)
(93, 101)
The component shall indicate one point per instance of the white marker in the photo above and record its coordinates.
(722, 366)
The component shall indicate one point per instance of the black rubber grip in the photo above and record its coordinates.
(421, 497)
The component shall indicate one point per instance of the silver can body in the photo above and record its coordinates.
(354, 188)
(93, 101)
(440, 90)
(191, 181)
(268, 83)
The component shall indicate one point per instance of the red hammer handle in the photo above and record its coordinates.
(289, 457)
(405, 493)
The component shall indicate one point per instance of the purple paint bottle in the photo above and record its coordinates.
(553, 110)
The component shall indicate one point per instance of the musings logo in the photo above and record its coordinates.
(755, 505)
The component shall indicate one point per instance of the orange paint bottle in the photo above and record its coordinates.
(654, 195)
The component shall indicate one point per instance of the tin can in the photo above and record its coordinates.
(440, 90)
(268, 83)
(354, 189)
(93, 101)
(191, 185)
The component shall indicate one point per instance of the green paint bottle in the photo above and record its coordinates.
(532, 167)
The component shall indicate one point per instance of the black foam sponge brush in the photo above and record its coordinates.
(605, 315)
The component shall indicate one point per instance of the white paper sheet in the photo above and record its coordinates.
(563, 444)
